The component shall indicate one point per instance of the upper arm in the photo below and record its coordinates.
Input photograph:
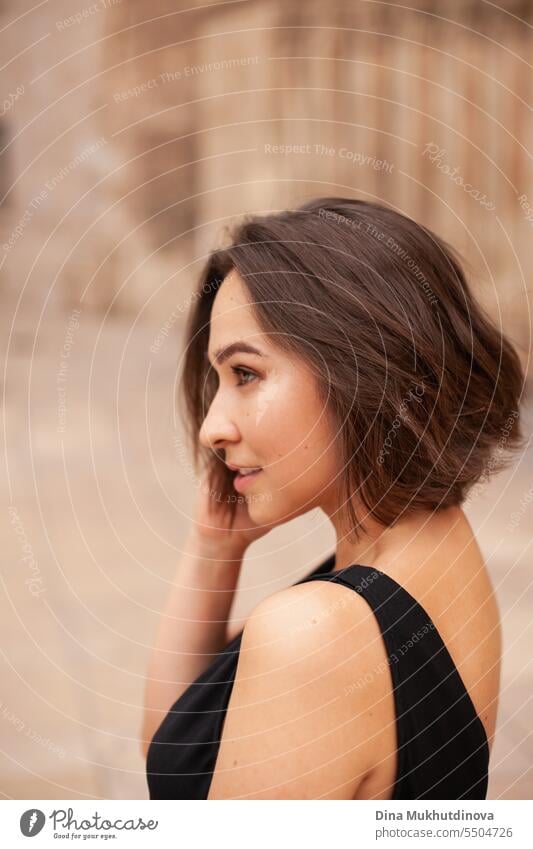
(293, 728)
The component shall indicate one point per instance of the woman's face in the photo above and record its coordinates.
(268, 415)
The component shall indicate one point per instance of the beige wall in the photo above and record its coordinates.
(187, 152)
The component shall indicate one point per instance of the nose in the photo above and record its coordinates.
(218, 427)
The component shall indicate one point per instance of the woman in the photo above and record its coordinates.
(336, 358)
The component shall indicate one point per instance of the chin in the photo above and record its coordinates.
(259, 504)
(265, 508)
(262, 508)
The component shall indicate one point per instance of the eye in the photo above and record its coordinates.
(243, 373)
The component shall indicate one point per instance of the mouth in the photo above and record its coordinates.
(244, 477)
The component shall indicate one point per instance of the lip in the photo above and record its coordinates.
(242, 482)
(241, 466)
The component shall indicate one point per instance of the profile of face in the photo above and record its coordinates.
(267, 413)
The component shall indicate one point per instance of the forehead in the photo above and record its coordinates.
(231, 315)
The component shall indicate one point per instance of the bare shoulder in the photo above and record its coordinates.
(325, 637)
(293, 610)
(297, 724)
(331, 635)
(312, 614)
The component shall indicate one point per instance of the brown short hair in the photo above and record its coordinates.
(423, 389)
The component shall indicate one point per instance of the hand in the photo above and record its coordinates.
(211, 524)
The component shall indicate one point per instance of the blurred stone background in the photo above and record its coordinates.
(131, 136)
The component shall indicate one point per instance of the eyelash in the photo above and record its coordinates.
(238, 370)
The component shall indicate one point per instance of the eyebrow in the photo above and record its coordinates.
(223, 353)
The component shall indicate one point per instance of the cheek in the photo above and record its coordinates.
(313, 464)
(264, 425)
(298, 451)
(269, 402)
(300, 444)
(288, 431)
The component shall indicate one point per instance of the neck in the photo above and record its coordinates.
(377, 543)
(364, 551)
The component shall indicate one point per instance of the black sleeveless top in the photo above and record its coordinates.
(443, 750)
